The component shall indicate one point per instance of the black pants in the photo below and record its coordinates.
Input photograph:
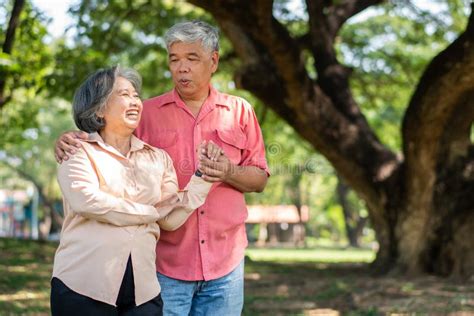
(65, 301)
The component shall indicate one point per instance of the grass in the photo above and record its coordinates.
(25, 270)
(320, 281)
(330, 255)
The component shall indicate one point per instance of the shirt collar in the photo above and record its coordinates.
(214, 98)
(135, 143)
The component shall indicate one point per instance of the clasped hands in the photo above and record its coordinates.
(213, 163)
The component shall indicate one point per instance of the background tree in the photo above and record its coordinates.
(25, 61)
(27, 118)
(419, 203)
(32, 159)
(7, 46)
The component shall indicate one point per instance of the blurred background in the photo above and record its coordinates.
(316, 229)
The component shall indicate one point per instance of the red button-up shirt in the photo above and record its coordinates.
(213, 240)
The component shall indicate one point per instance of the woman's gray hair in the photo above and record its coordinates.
(193, 31)
(91, 97)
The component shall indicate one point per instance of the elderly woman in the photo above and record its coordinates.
(118, 191)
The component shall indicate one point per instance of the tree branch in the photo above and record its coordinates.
(340, 13)
(12, 26)
(332, 76)
(8, 45)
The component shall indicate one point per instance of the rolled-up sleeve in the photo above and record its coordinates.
(80, 187)
(254, 152)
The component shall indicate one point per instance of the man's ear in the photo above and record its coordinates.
(215, 61)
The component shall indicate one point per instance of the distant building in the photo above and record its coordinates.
(278, 223)
(15, 216)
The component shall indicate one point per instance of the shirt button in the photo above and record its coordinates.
(202, 212)
(202, 241)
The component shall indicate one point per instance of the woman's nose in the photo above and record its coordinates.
(134, 102)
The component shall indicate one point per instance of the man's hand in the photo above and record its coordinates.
(67, 144)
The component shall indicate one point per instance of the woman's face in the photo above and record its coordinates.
(123, 109)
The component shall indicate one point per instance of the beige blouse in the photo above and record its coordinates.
(110, 213)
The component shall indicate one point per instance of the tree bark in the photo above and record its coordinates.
(421, 204)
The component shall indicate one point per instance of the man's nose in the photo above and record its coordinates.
(183, 67)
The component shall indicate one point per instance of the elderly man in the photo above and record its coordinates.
(200, 266)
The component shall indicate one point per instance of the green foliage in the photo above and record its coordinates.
(388, 53)
(16, 117)
(34, 156)
(119, 32)
(24, 70)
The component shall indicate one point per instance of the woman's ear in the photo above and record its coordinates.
(99, 114)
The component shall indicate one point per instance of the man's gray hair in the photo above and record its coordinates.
(193, 31)
(91, 97)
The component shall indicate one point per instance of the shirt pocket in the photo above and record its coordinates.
(165, 139)
(233, 143)
(149, 177)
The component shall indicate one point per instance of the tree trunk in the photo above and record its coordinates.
(420, 205)
(272, 234)
(262, 235)
(293, 188)
(353, 222)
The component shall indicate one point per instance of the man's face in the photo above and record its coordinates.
(191, 67)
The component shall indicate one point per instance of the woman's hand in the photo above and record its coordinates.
(217, 171)
(209, 150)
(67, 144)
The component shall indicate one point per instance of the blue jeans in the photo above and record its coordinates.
(223, 296)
